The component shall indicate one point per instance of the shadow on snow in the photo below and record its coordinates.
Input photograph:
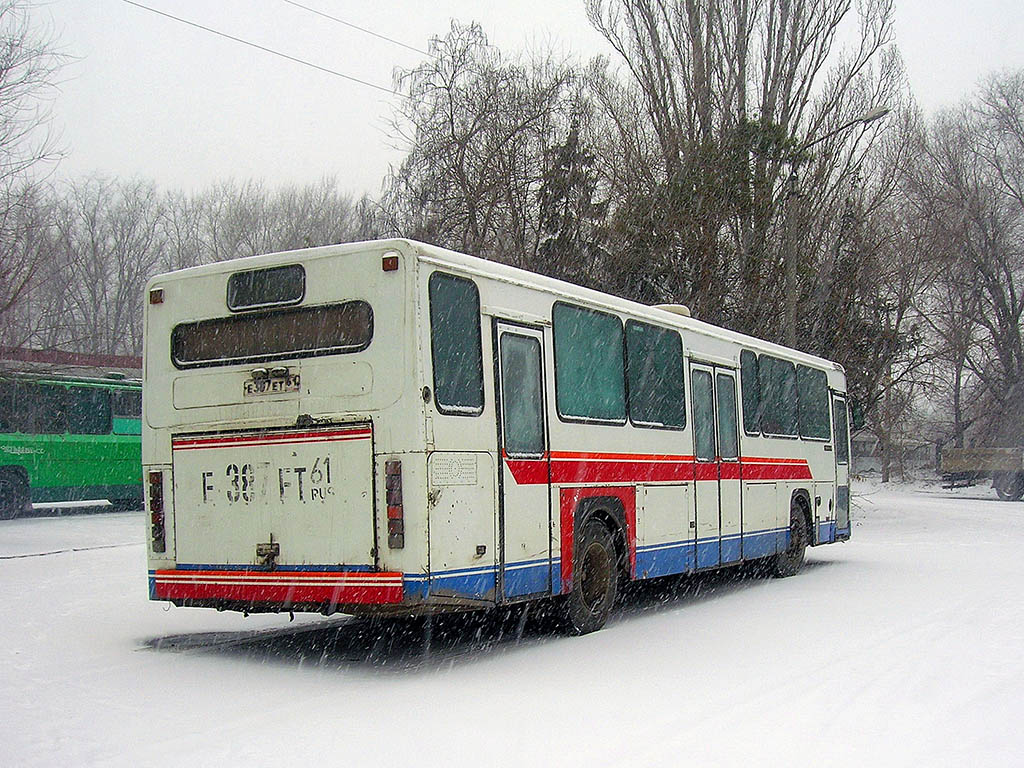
(398, 645)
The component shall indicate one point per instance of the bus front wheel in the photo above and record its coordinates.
(595, 581)
(14, 495)
(789, 562)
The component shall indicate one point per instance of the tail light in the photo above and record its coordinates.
(156, 511)
(396, 515)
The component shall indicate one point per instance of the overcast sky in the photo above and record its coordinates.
(149, 97)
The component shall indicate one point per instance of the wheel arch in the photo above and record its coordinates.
(609, 511)
(801, 498)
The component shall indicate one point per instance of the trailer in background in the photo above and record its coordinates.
(961, 467)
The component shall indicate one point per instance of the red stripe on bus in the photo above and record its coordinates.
(730, 470)
(758, 470)
(280, 587)
(629, 468)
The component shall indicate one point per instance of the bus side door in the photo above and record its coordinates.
(706, 492)
(524, 514)
(728, 465)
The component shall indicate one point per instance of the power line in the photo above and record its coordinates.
(356, 26)
(265, 49)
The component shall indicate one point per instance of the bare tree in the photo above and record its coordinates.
(109, 243)
(28, 69)
(966, 188)
(734, 94)
(478, 126)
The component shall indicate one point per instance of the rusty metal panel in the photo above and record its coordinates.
(982, 459)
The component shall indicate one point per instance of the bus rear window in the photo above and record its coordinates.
(273, 287)
(330, 329)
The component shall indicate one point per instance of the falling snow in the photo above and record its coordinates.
(901, 647)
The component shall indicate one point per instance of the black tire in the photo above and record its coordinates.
(595, 581)
(1009, 486)
(788, 563)
(14, 492)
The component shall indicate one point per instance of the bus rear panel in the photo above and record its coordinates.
(264, 386)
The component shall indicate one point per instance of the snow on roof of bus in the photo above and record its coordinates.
(485, 268)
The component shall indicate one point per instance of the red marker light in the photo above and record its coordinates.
(389, 263)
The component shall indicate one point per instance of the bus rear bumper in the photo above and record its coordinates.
(283, 589)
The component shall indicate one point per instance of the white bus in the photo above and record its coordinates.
(391, 427)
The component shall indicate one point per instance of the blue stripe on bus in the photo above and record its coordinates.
(674, 557)
(826, 532)
(524, 577)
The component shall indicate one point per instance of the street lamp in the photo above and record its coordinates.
(788, 250)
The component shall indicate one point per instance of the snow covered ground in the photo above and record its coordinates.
(902, 647)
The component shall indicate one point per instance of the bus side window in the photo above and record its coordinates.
(88, 410)
(750, 385)
(654, 370)
(455, 345)
(812, 389)
(590, 380)
(779, 396)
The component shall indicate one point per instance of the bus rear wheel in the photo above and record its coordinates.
(595, 581)
(789, 562)
(14, 495)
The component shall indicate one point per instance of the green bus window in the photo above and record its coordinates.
(654, 369)
(39, 409)
(88, 410)
(6, 406)
(778, 395)
(750, 384)
(126, 404)
(812, 394)
(455, 345)
(589, 381)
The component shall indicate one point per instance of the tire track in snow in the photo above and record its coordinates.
(70, 549)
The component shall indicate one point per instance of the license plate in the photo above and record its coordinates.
(257, 387)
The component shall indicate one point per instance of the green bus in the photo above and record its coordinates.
(69, 437)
